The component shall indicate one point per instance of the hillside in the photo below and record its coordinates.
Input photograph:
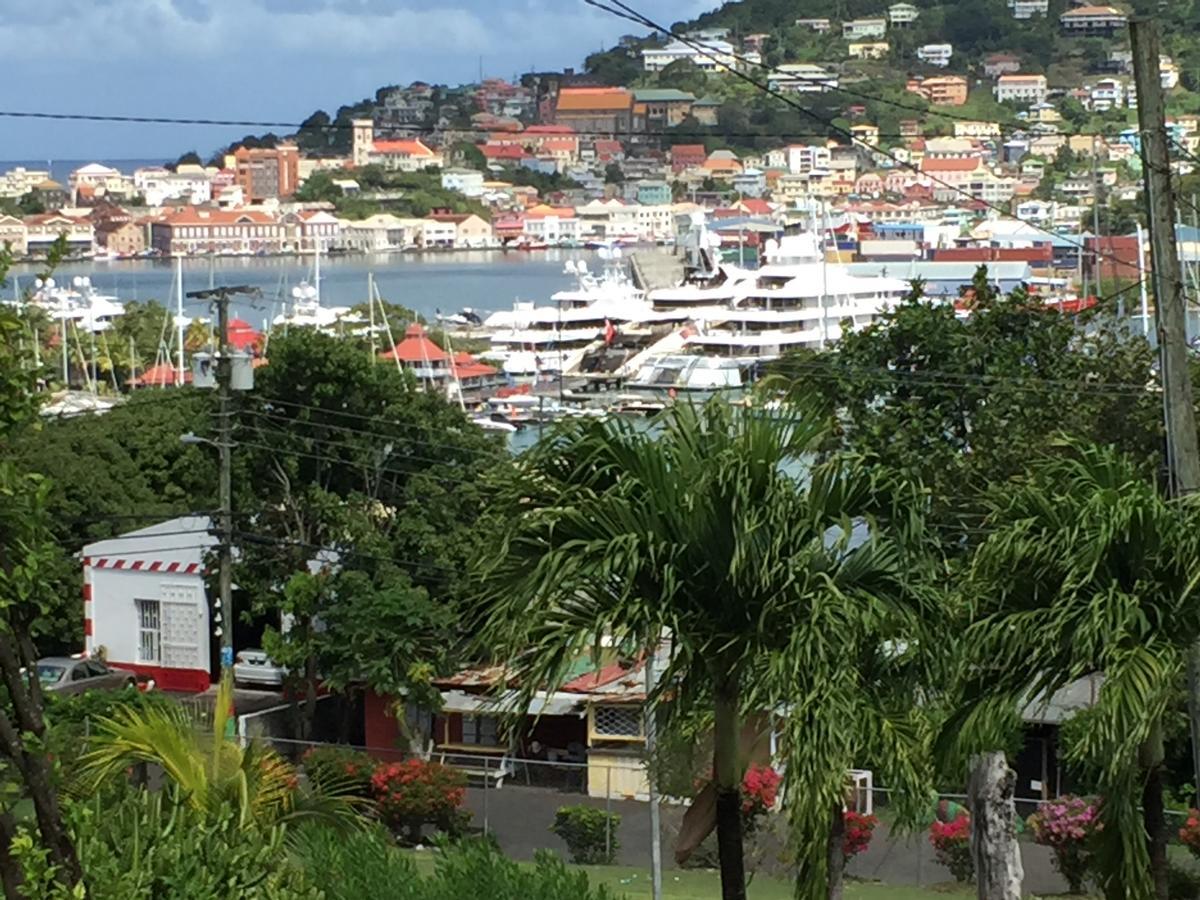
(974, 28)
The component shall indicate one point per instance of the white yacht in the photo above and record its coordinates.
(797, 300)
(307, 311)
(529, 340)
(77, 302)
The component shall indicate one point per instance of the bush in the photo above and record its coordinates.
(414, 793)
(1182, 883)
(1066, 826)
(368, 864)
(589, 833)
(760, 788)
(339, 770)
(860, 828)
(142, 845)
(952, 846)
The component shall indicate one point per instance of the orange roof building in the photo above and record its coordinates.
(607, 111)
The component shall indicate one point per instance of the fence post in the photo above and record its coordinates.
(486, 779)
(608, 814)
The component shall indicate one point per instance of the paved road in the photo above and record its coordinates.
(520, 817)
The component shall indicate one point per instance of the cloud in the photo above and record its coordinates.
(270, 59)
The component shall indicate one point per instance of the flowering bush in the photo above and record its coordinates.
(412, 793)
(859, 830)
(952, 846)
(339, 770)
(1189, 834)
(1065, 826)
(760, 788)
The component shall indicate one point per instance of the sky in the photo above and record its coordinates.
(271, 60)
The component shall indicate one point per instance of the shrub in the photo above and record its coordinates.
(144, 845)
(859, 830)
(589, 833)
(1189, 834)
(1066, 826)
(414, 793)
(760, 788)
(952, 846)
(1182, 883)
(339, 770)
(368, 864)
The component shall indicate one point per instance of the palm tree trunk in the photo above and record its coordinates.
(835, 860)
(1153, 815)
(729, 793)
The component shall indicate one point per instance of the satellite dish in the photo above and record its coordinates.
(50, 284)
(571, 268)
(86, 282)
(297, 293)
(616, 253)
(583, 267)
(604, 253)
(38, 283)
(77, 281)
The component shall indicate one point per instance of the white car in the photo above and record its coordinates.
(253, 668)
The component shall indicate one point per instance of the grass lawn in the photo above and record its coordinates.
(705, 885)
(693, 885)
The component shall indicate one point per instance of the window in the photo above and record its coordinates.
(618, 721)
(149, 631)
(480, 730)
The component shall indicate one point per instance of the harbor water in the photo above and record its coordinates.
(425, 282)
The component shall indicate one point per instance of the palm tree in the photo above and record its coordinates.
(211, 772)
(721, 530)
(1091, 570)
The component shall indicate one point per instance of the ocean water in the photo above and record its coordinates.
(425, 282)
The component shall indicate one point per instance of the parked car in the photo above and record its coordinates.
(69, 675)
(253, 668)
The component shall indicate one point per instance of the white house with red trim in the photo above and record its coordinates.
(145, 603)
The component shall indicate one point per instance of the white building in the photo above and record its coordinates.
(20, 181)
(1106, 94)
(158, 185)
(936, 54)
(1027, 89)
(101, 180)
(1027, 9)
(468, 182)
(145, 604)
(857, 29)
(801, 78)
(902, 14)
(380, 233)
(711, 55)
(804, 158)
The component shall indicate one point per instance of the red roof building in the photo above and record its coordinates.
(162, 375)
(242, 336)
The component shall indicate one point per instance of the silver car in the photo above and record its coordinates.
(68, 675)
(253, 668)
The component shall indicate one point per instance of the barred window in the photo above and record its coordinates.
(618, 721)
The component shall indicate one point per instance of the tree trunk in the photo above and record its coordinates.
(310, 696)
(835, 859)
(1153, 815)
(10, 870)
(729, 791)
(994, 848)
(33, 764)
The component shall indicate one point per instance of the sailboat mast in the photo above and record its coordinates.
(179, 327)
(371, 311)
(66, 373)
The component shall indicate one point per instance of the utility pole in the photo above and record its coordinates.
(220, 297)
(1170, 304)
(651, 746)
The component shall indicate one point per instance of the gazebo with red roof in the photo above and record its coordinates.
(419, 353)
(162, 375)
(241, 335)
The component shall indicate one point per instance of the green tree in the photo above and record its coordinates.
(346, 462)
(1089, 570)
(26, 549)
(719, 530)
(464, 153)
(613, 174)
(963, 403)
